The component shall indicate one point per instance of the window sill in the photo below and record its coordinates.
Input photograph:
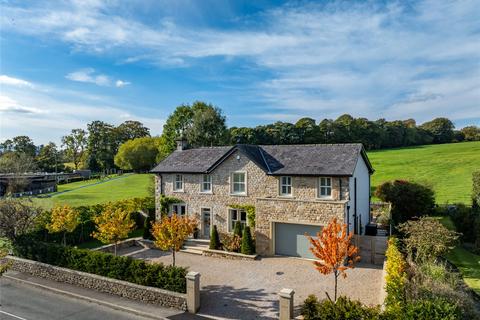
(238, 194)
(286, 196)
(178, 191)
(206, 192)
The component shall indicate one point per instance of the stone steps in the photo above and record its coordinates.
(195, 246)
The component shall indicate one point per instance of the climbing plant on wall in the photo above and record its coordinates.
(249, 209)
(165, 203)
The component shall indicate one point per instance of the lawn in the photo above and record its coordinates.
(447, 168)
(92, 192)
(467, 262)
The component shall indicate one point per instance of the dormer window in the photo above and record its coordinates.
(178, 183)
(286, 186)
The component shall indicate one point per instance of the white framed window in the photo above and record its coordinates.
(206, 183)
(239, 183)
(325, 187)
(237, 215)
(179, 209)
(286, 186)
(178, 183)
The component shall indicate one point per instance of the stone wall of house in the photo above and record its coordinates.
(259, 185)
(293, 211)
(124, 289)
(220, 199)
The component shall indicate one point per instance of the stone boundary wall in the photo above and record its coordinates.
(120, 288)
(228, 255)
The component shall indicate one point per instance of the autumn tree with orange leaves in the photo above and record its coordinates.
(334, 250)
(113, 225)
(171, 232)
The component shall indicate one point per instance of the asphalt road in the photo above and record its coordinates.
(24, 302)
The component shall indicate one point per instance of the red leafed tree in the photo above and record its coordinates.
(334, 250)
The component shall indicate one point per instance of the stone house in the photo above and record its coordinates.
(295, 189)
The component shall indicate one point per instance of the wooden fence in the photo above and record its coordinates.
(371, 248)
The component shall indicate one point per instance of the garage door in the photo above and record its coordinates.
(290, 239)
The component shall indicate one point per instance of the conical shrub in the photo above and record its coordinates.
(214, 239)
(248, 245)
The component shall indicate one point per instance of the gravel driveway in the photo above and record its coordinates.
(235, 289)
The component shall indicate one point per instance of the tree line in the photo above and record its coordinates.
(129, 146)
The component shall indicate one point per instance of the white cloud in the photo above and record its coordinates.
(370, 59)
(6, 80)
(88, 75)
(121, 83)
(47, 114)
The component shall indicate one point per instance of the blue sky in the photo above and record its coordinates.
(66, 63)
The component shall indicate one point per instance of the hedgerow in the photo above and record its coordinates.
(103, 264)
(396, 277)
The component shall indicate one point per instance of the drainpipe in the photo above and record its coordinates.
(355, 206)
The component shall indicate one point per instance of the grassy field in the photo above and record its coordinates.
(467, 262)
(447, 168)
(92, 192)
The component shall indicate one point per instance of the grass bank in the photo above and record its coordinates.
(94, 192)
(446, 167)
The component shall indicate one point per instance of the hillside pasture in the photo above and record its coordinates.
(447, 168)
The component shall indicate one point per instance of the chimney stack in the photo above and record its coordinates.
(181, 144)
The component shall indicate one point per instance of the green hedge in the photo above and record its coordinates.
(476, 187)
(342, 309)
(396, 277)
(104, 264)
(346, 309)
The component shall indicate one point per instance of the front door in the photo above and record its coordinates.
(206, 221)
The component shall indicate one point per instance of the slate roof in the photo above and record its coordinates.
(306, 159)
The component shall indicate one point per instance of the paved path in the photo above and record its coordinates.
(231, 288)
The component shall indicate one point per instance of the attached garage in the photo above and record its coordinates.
(290, 239)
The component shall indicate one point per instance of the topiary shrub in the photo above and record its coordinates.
(147, 234)
(408, 199)
(248, 245)
(214, 239)
(342, 309)
(237, 229)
